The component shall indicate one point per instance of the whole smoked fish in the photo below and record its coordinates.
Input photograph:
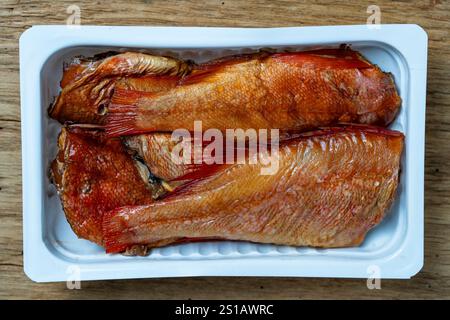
(290, 91)
(332, 186)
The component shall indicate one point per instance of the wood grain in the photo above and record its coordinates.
(432, 282)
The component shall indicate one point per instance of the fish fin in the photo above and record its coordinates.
(197, 76)
(369, 129)
(340, 127)
(208, 69)
(113, 244)
(122, 113)
(125, 97)
(326, 58)
(199, 173)
(115, 248)
(121, 124)
(114, 228)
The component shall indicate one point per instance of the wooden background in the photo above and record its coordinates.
(433, 15)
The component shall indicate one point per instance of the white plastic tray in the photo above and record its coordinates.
(51, 249)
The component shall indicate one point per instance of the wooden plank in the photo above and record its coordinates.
(434, 16)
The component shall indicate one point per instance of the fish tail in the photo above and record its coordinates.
(123, 112)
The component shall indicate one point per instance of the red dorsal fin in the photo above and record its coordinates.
(207, 69)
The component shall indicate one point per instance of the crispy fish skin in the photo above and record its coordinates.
(331, 188)
(156, 149)
(290, 91)
(93, 175)
(87, 85)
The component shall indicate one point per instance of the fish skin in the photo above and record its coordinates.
(93, 175)
(290, 91)
(87, 85)
(156, 150)
(331, 188)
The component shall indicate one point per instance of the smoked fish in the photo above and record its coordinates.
(287, 91)
(87, 84)
(331, 187)
(92, 175)
(87, 87)
(156, 150)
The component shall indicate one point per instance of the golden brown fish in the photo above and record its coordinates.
(93, 175)
(291, 91)
(332, 186)
(87, 84)
(156, 151)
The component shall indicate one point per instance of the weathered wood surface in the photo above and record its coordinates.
(432, 282)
